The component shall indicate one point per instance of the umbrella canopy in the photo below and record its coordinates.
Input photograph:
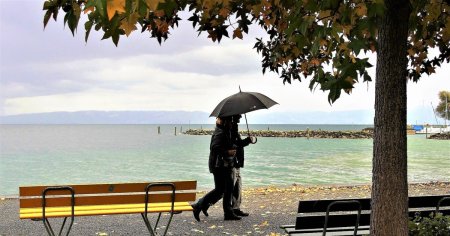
(241, 103)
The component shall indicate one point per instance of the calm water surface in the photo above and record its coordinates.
(72, 154)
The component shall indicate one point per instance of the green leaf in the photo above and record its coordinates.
(98, 27)
(72, 22)
(315, 47)
(47, 16)
(48, 5)
(142, 7)
(128, 5)
(115, 38)
(101, 7)
(312, 6)
(89, 4)
(55, 13)
(376, 9)
(367, 77)
(169, 7)
(106, 35)
(87, 27)
(301, 41)
(303, 27)
(335, 93)
(356, 45)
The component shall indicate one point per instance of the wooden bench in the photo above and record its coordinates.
(70, 201)
(352, 216)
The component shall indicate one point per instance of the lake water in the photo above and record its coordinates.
(76, 154)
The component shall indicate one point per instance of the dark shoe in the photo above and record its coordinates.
(238, 212)
(196, 212)
(232, 216)
(205, 211)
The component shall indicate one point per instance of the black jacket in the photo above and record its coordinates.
(240, 144)
(220, 144)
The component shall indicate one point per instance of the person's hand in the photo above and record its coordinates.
(253, 139)
(232, 152)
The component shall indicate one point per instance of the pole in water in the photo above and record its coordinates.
(175, 131)
(446, 111)
(159, 130)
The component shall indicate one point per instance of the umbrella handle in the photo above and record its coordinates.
(248, 130)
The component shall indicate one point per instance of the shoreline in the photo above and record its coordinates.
(269, 207)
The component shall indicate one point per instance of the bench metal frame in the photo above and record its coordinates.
(440, 202)
(151, 230)
(47, 224)
(417, 206)
(343, 203)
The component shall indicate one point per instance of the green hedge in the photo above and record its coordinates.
(435, 225)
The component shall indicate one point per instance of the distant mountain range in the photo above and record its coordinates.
(109, 117)
(417, 116)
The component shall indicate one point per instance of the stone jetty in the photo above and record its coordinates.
(364, 134)
(442, 136)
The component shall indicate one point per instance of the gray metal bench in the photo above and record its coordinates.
(352, 216)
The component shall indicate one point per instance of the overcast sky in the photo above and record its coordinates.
(50, 70)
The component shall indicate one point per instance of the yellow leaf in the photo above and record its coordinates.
(361, 9)
(152, 4)
(323, 42)
(346, 29)
(129, 24)
(324, 14)
(446, 32)
(265, 223)
(353, 58)
(343, 46)
(113, 6)
(257, 9)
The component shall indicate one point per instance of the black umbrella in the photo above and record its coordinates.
(241, 103)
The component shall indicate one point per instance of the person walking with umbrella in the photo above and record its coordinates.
(240, 144)
(223, 150)
(221, 165)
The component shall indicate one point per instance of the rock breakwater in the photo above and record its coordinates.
(364, 134)
(442, 136)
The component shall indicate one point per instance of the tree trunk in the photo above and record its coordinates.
(389, 175)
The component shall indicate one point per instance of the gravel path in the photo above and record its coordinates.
(269, 208)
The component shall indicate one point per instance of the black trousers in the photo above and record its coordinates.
(223, 187)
